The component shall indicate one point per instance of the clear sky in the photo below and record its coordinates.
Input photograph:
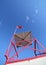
(29, 13)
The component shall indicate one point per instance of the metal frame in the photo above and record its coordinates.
(12, 45)
(27, 59)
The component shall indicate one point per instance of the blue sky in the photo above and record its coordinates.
(29, 13)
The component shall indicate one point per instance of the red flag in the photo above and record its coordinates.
(19, 27)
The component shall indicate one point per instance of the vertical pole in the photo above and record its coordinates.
(14, 48)
(6, 55)
(6, 59)
(35, 47)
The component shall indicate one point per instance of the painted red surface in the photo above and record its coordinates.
(27, 59)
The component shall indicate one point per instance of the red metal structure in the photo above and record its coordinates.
(23, 41)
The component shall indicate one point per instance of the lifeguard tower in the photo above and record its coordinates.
(20, 42)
